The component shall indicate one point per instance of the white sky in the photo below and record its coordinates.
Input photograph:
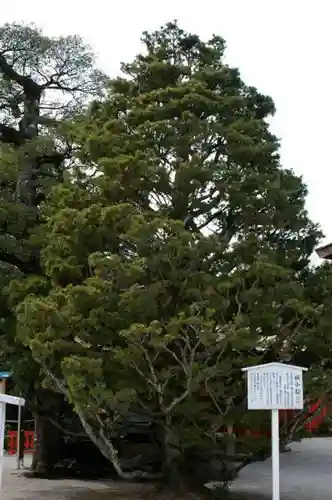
(281, 46)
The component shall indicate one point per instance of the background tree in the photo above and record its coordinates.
(42, 81)
(184, 260)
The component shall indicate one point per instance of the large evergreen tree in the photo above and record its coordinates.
(180, 258)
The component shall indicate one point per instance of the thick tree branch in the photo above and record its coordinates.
(99, 438)
(110, 452)
(26, 82)
(61, 428)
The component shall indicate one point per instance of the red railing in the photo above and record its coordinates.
(315, 417)
(29, 442)
(316, 414)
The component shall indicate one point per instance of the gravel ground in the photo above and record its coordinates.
(18, 487)
(305, 475)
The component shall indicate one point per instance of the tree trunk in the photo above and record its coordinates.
(47, 444)
(171, 457)
(27, 178)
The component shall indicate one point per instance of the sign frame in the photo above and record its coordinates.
(275, 386)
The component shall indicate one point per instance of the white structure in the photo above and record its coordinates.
(275, 386)
(5, 399)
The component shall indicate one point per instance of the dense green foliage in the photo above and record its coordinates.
(171, 252)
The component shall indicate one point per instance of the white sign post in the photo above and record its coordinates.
(5, 399)
(275, 386)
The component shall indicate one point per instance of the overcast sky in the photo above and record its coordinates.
(283, 47)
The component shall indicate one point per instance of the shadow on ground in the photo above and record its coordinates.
(305, 475)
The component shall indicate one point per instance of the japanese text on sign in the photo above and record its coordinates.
(275, 389)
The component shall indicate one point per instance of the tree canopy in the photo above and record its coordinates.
(174, 253)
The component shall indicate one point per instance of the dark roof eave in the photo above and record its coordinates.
(325, 252)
